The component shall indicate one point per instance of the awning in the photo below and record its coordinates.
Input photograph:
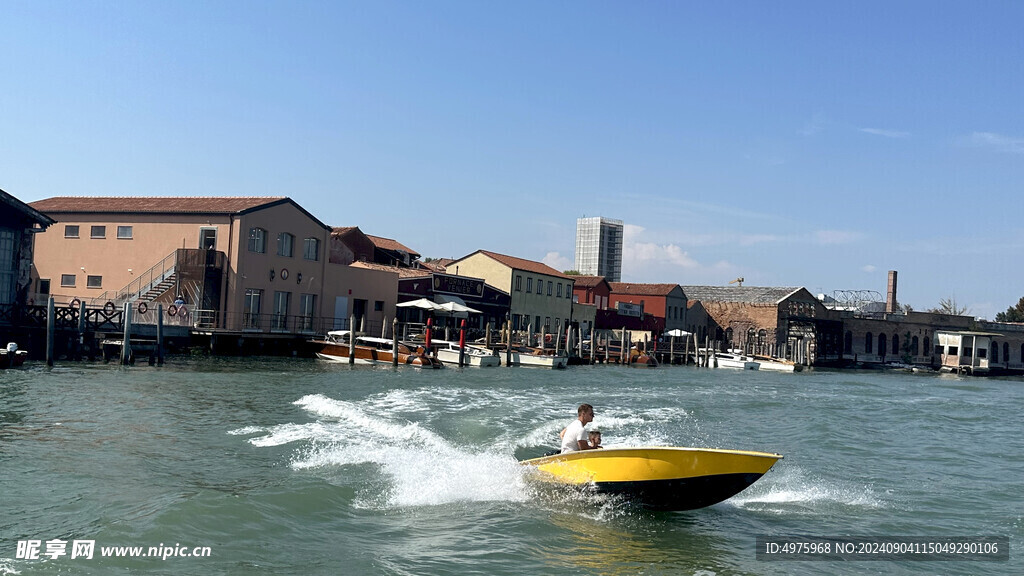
(678, 332)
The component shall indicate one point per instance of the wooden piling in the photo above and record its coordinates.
(81, 330)
(50, 326)
(352, 339)
(160, 335)
(126, 339)
(394, 342)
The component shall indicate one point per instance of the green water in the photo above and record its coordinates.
(287, 466)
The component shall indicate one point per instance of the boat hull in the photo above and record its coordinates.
(335, 352)
(662, 478)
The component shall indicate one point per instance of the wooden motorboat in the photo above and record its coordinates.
(642, 359)
(663, 478)
(370, 350)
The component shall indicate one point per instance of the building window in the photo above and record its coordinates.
(207, 238)
(284, 244)
(915, 346)
(519, 283)
(311, 249)
(954, 350)
(94, 281)
(895, 344)
(257, 240)
(71, 231)
(995, 351)
(927, 345)
(883, 343)
(98, 232)
(529, 285)
(868, 343)
(1006, 351)
(281, 302)
(67, 280)
(44, 286)
(378, 306)
(551, 287)
(559, 290)
(124, 232)
(568, 291)
(251, 308)
(307, 307)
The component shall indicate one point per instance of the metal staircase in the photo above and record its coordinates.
(147, 286)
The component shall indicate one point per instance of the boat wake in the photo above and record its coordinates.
(418, 467)
(789, 490)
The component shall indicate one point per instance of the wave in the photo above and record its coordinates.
(790, 489)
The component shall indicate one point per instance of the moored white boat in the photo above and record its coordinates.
(777, 364)
(728, 360)
(448, 352)
(528, 356)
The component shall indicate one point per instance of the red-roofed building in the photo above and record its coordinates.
(541, 295)
(240, 263)
(666, 301)
(592, 290)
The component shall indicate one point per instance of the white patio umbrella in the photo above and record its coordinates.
(423, 304)
(677, 332)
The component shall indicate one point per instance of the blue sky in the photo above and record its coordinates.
(815, 144)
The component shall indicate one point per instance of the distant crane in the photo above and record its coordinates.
(738, 281)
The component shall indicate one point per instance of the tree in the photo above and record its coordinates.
(1013, 313)
(571, 272)
(949, 306)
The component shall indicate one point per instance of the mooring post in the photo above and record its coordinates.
(50, 325)
(394, 342)
(126, 344)
(81, 330)
(160, 335)
(462, 343)
(508, 344)
(352, 339)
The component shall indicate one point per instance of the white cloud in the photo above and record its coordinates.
(886, 133)
(997, 142)
(557, 261)
(869, 268)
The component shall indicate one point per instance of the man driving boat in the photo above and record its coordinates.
(574, 437)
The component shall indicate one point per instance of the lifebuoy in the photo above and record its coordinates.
(143, 307)
(183, 312)
(172, 310)
(108, 307)
(75, 302)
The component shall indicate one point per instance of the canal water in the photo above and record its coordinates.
(291, 466)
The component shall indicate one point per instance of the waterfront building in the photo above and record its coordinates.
(541, 297)
(665, 301)
(599, 247)
(255, 265)
(593, 290)
(19, 223)
(441, 288)
(785, 322)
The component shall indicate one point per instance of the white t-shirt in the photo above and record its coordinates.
(573, 434)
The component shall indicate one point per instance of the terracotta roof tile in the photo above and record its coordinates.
(389, 244)
(154, 204)
(402, 272)
(525, 265)
(642, 289)
(588, 281)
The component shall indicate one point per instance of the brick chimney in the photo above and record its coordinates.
(890, 294)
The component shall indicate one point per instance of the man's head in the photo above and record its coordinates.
(585, 413)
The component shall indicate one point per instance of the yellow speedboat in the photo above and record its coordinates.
(663, 478)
